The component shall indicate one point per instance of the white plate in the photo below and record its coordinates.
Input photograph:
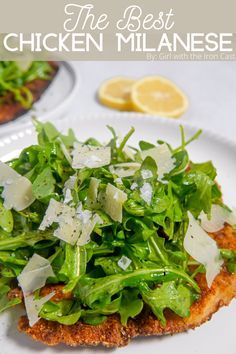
(53, 102)
(217, 335)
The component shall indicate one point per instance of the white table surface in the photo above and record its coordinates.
(210, 86)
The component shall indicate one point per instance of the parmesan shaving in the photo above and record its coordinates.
(33, 307)
(74, 226)
(114, 200)
(33, 277)
(54, 209)
(201, 247)
(146, 193)
(68, 186)
(146, 174)
(67, 196)
(35, 274)
(163, 158)
(92, 195)
(70, 183)
(118, 180)
(88, 229)
(125, 169)
(88, 221)
(124, 262)
(90, 156)
(69, 226)
(17, 190)
(83, 215)
(219, 216)
(134, 186)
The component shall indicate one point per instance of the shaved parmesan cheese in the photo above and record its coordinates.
(17, 190)
(231, 220)
(134, 186)
(88, 221)
(146, 193)
(92, 196)
(124, 262)
(34, 277)
(125, 169)
(118, 180)
(88, 229)
(74, 226)
(35, 274)
(219, 216)
(54, 208)
(70, 183)
(163, 158)
(84, 215)
(114, 200)
(33, 307)
(90, 156)
(201, 247)
(7, 173)
(146, 174)
(68, 186)
(69, 226)
(68, 196)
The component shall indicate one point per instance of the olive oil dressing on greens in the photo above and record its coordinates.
(109, 222)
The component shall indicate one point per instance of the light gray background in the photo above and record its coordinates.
(210, 87)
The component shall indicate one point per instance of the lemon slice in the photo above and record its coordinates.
(159, 96)
(115, 93)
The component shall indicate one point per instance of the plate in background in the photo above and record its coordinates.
(54, 101)
(215, 336)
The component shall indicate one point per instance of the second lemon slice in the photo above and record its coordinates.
(115, 93)
(157, 95)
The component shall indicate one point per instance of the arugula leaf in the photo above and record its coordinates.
(5, 303)
(74, 266)
(64, 312)
(177, 298)
(230, 258)
(24, 240)
(44, 184)
(131, 305)
(92, 291)
(6, 219)
(98, 315)
(200, 197)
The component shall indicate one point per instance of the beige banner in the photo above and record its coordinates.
(118, 30)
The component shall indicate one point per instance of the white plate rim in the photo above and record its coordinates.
(27, 128)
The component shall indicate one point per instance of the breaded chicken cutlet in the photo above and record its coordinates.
(112, 333)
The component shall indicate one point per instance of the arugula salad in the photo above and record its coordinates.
(120, 228)
(14, 75)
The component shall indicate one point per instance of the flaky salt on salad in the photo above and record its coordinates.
(105, 242)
